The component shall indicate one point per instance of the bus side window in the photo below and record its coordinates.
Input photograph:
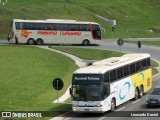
(39, 26)
(106, 77)
(31, 26)
(84, 27)
(106, 91)
(120, 73)
(126, 70)
(148, 63)
(132, 68)
(138, 66)
(144, 64)
(26, 26)
(19, 25)
(113, 75)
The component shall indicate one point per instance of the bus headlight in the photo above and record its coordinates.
(99, 105)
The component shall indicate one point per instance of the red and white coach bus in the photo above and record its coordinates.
(54, 31)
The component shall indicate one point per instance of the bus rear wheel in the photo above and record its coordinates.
(31, 41)
(39, 41)
(141, 92)
(86, 42)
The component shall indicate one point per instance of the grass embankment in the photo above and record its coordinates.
(155, 43)
(132, 19)
(26, 78)
(154, 65)
(95, 54)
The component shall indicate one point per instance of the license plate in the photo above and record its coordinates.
(86, 109)
(153, 102)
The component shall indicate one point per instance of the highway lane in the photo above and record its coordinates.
(112, 45)
(128, 48)
(154, 51)
(138, 105)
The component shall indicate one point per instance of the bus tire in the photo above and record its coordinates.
(136, 94)
(86, 42)
(113, 105)
(30, 41)
(141, 91)
(39, 41)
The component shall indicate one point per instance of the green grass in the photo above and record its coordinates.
(154, 63)
(90, 54)
(129, 14)
(154, 71)
(155, 43)
(95, 54)
(26, 78)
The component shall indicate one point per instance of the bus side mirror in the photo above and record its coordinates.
(70, 91)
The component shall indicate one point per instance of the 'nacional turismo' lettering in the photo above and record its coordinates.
(87, 78)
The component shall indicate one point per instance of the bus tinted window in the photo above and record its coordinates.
(132, 68)
(106, 77)
(113, 75)
(144, 64)
(126, 70)
(84, 27)
(31, 26)
(26, 26)
(62, 26)
(39, 26)
(120, 73)
(73, 27)
(138, 66)
(148, 62)
(19, 25)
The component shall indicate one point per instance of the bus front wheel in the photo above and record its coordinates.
(136, 94)
(31, 41)
(39, 41)
(86, 42)
(113, 105)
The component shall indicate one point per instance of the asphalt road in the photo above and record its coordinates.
(138, 105)
(129, 48)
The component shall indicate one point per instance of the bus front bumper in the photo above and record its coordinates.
(89, 109)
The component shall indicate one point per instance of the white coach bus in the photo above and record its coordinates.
(110, 82)
(54, 31)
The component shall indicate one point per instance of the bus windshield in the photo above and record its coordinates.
(96, 31)
(89, 91)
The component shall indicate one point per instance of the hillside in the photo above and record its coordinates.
(139, 18)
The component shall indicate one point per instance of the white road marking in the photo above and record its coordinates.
(120, 109)
(136, 101)
(102, 118)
